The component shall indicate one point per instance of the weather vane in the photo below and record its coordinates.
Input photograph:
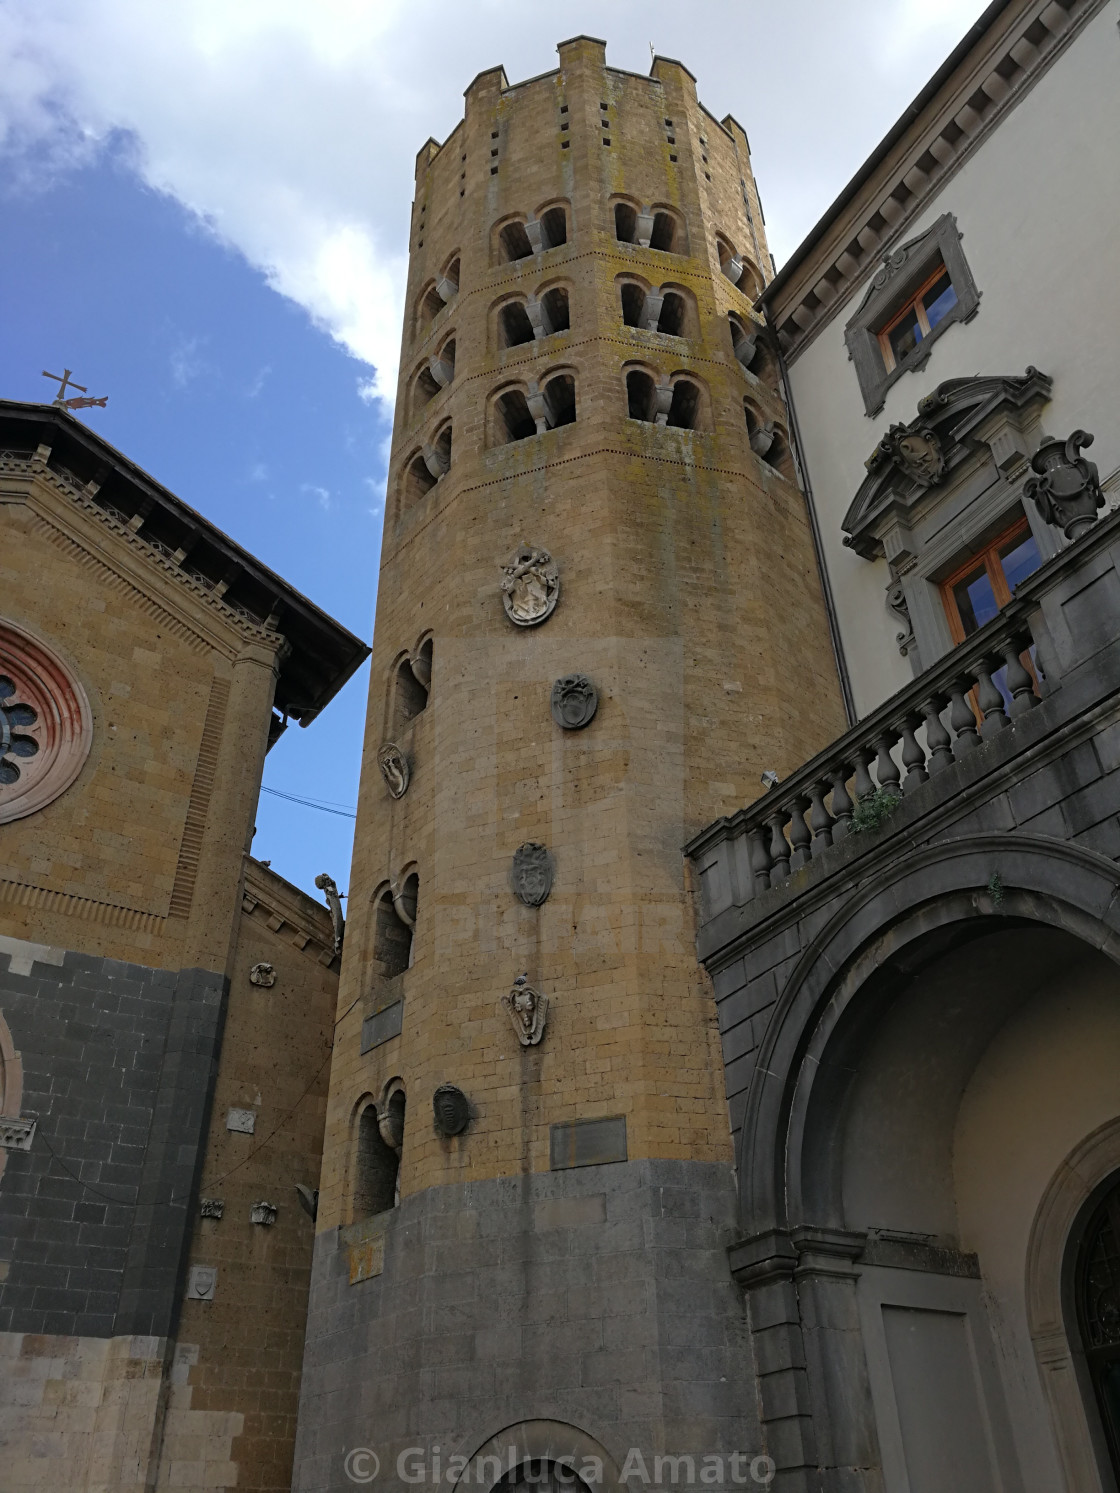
(75, 402)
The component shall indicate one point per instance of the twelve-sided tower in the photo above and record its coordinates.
(597, 588)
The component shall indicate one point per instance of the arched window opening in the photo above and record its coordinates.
(410, 694)
(375, 1179)
(417, 481)
(684, 412)
(443, 367)
(560, 400)
(666, 234)
(554, 228)
(392, 938)
(514, 325)
(555, 305)
(424, 389)
(639, 395)
(514, 422)
(541, 1475)
(515, 242)
(1098, 1314)
(633, 299)
(625, 223)
(431, 304)
(671, 320)
(405, 902)
(750, 281)
(422, 665)
(780, 457)
(441, 450)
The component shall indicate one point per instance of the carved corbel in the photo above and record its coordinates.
(533, 230)
(651, 311)
(538, 319)
(537, 407)
(441, 371)
(446, 289)
(763, 438)
(733, 269)
(643, 228)
(896, 600)
(662, 401)
(746, 349)
(437, 462)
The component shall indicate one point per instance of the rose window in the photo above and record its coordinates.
(16, 744)
(46, 725)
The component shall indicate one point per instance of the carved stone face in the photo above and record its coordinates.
(531, 873)
(574, 701)
(394, 769)
(263, 975)
(530, 586)
(919, 455)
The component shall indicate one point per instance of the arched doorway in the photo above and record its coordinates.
(1097, 1296)
(926, 1077)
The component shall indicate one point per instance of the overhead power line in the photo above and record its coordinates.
(314, 803)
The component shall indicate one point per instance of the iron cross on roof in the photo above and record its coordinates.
(75, 402)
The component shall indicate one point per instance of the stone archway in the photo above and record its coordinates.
(919, 1008)
(545, 1455)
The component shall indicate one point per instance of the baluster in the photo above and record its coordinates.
(989, 698)
(938, 740)
(913, 755)
(820, 819)
(842, 805)
(799, 836)
(779, 846)
(1019, 681)
(962, 719)
(863, 785)
(760, 860)
(886, 769)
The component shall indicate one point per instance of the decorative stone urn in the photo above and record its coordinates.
(1066, 489)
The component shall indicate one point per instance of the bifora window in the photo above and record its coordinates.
(982, 587)
(917, 319)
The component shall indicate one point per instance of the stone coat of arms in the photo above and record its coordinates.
(531, 873)
(527, 1009)
(394, 769)
(574, 701)
(530, 586)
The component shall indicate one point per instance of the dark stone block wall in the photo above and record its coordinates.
(118, 1067)
(599, 1297)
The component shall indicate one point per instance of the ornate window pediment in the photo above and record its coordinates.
(940, 488)
(992, 417)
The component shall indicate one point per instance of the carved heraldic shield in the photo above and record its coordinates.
(527, 1010)
(530, 586)
(531, 873)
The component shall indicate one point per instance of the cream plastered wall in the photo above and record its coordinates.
(1038, 206)
(1047, 1081)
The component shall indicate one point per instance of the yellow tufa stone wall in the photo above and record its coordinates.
(689, 595)
(141, 858)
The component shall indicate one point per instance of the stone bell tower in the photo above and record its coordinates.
(597, 588)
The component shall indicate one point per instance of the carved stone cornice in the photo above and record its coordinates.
(999, 59)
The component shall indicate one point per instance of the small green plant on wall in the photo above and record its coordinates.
(874, 810)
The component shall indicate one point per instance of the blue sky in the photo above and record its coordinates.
(229, 395)
(205, 214)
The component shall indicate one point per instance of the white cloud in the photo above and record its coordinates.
(187, 363)
(321, 495)
(291, 128)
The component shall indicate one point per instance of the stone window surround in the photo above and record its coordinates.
(903, 272)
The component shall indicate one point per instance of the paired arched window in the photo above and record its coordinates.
(523, 236)
(394, 923)
(739, 268)
(411, 686)
(523, 410)
(769, 441)
(523, 319)
(380, 1140)
(435, 374)
(677, 401)
(429, 303)
(656, 227)
(671, 310)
